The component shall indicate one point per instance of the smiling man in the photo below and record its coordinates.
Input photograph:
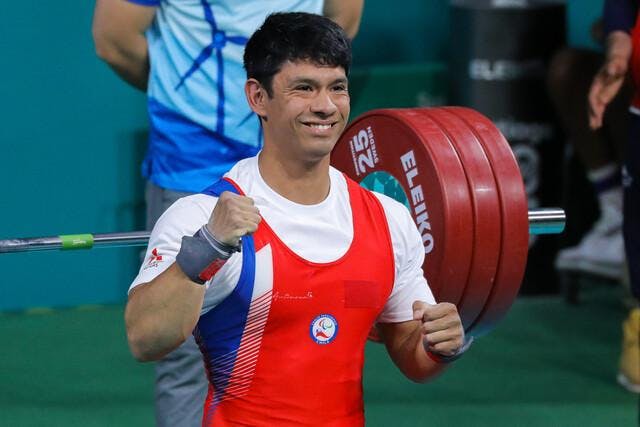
(283, 267)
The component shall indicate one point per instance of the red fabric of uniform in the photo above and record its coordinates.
(308, 369)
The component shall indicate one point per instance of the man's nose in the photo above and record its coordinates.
(323, 103)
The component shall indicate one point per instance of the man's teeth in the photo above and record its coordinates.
(322, 127)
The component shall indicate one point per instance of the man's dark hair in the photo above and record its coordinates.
(295, 37)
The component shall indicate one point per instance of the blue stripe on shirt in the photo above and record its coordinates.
(146, 2)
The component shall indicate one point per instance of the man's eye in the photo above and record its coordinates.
(304, 88)
(340, 88)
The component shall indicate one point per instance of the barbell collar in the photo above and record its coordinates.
(546, 221)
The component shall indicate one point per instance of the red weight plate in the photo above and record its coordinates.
(514, 219)
(486, 213)
(415, 152)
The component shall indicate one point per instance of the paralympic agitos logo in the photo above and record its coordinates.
(324, 329)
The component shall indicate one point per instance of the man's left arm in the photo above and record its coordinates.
(421, 348)
(421, 335)
(346, 13)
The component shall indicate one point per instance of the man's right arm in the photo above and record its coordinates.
(118, 34)
(165, 302)
(161, 314)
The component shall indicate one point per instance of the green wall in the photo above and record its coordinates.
(72, 136)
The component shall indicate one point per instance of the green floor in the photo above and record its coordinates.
(547, 364)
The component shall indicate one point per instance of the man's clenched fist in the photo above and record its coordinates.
(441, 327)
(233, 217)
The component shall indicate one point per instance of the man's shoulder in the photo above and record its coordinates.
(196, 201)
(243, 173)
(397, 213)
(388, 202)
(190, 207)
(393, 208)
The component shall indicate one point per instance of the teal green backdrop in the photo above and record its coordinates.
(72, 137)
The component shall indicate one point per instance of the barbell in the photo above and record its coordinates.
(457, 175)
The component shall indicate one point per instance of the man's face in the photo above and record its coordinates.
(308, 110)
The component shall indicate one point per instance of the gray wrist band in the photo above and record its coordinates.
(222, 247)
(201, 256)
(448, 359)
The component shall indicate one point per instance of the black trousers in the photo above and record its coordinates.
(631, 183)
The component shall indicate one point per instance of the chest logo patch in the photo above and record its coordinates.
(324, 329)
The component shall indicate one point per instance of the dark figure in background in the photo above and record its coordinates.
(622, 31)
(601, 251)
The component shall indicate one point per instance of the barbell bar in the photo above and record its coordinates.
(541, 221)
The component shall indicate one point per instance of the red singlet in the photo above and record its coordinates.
(286, 348)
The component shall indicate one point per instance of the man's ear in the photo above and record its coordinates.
(257, 97)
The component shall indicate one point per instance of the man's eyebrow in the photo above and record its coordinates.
(313, 82)
(306, 80)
